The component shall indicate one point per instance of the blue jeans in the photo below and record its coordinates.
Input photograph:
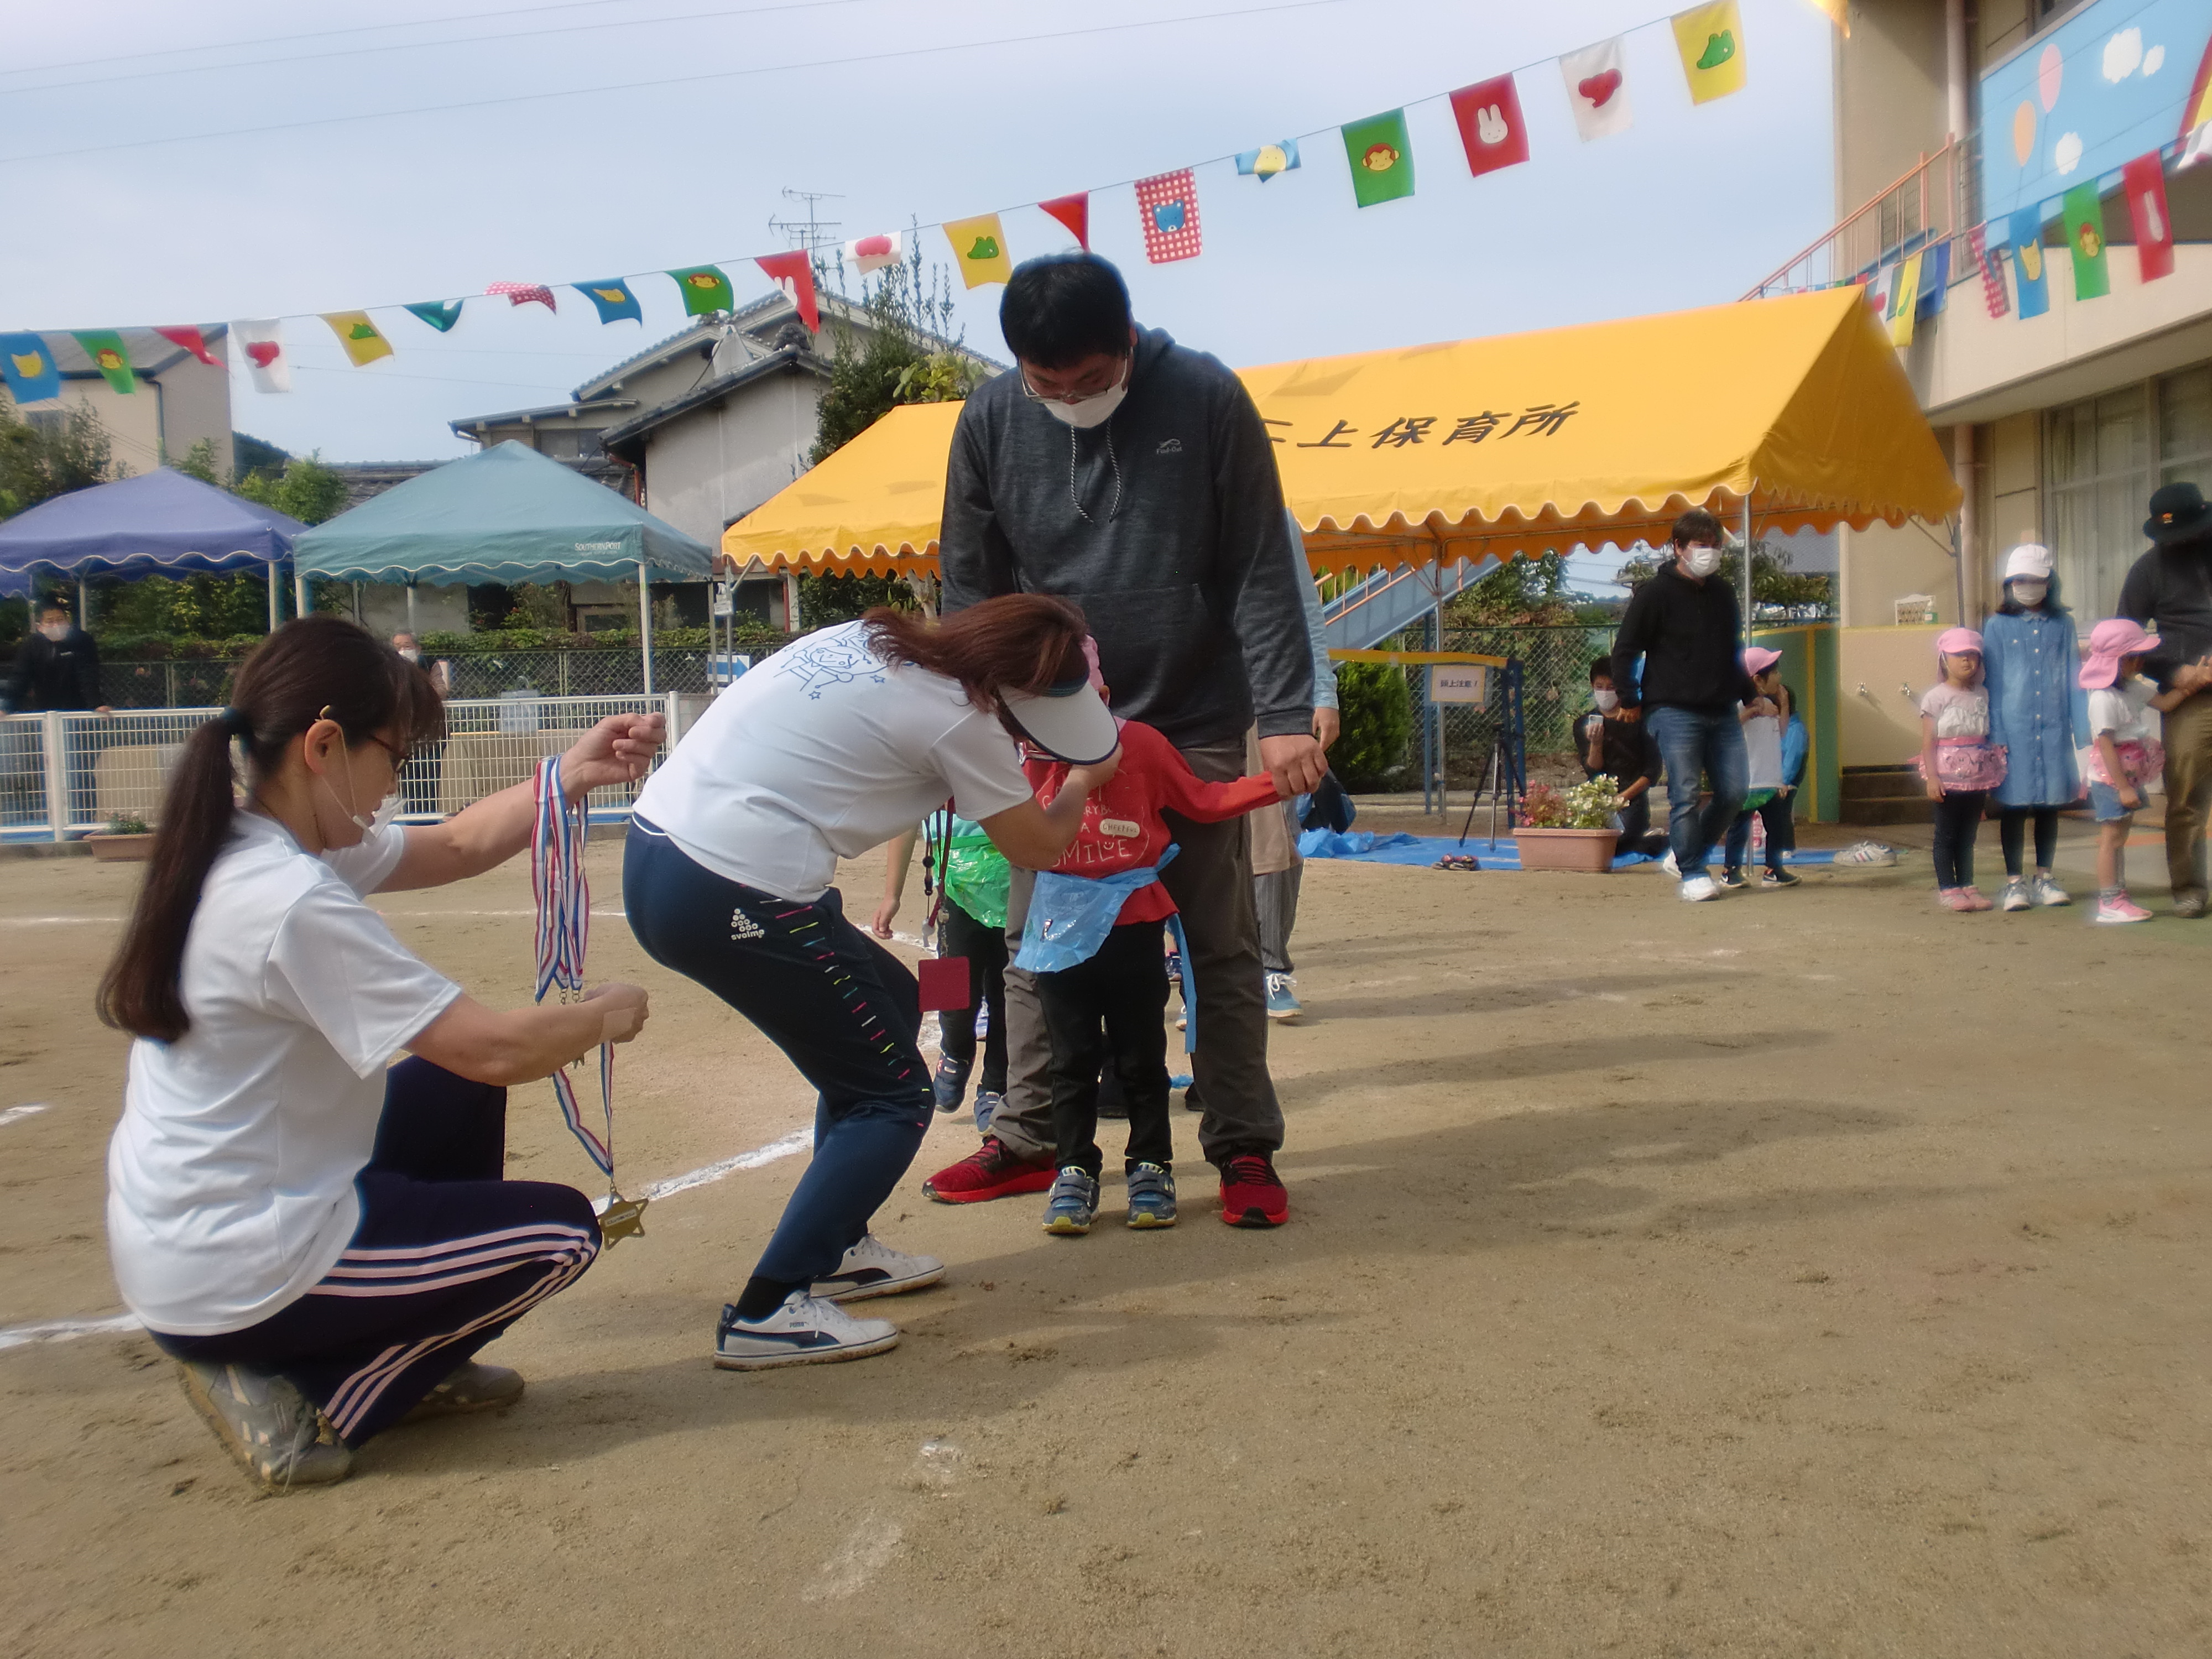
(1694, 741)
(844, 1011)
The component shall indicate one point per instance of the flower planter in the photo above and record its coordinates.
(1588, 850)
(121, 849)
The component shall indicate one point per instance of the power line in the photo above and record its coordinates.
(426, 45)
(678, 80)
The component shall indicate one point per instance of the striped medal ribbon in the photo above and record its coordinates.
(563, 896)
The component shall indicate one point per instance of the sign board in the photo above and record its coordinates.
(1915, 610)
(1459, 682)
(724, 599)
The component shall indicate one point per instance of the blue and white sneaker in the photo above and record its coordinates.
(803, 1330)
(871, 1267)
(1281, 1004)
(987, 1102)
(950, 1085)
(1151, 1197)
(1073, 1203)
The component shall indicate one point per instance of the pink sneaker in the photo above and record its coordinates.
(2119, 910)
(1975, 900)
(1953, 898)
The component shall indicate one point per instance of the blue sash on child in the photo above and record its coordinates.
(1071, 915)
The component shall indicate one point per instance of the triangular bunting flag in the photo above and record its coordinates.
(1491, 126)
(2085, 240)
(2033, 275)
(192, 341)
(360, 337)
(2144, 179)
(105, 348)
(794, 274)
(1265, 162)
(32, 375)
(1382, 158)
(873, 253)
(1074, 212)
(267, 362)
(1710, 40)
(612, 299)
(1597, 88)
(1988, 259)
(704, 288)
(1167, 206)
(979, 247)
(440, 314)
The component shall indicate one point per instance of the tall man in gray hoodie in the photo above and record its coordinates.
(1134, 477)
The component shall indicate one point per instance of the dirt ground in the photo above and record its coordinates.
(1806, 1273)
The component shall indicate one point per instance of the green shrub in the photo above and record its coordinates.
(1378, 715)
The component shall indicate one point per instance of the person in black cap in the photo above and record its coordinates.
(2170, 590)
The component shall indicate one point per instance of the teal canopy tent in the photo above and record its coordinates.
(507, 514)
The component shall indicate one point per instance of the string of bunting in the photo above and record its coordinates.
(1492, 131)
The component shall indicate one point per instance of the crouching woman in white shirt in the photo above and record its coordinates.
(325, 1244)
(835, 744)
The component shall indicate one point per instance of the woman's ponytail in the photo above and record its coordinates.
(315, 668)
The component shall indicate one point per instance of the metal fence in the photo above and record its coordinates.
(64, 774)
(204, 682)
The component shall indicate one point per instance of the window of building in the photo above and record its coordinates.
(567, 443)
(2102, 459)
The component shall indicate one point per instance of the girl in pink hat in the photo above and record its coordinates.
(2123, 754)
(1959, 763)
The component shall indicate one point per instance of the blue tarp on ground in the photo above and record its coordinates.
(158, 524)
(505, 515)
(1360, 848)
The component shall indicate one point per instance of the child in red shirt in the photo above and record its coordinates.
(1124, 987)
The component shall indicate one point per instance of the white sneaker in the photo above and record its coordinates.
(1668, 865)
(2015, 895)
(871, 1267)
(803, 1331)
(2044, 891)
(1698, 889)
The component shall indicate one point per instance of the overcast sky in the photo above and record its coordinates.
(569, 177)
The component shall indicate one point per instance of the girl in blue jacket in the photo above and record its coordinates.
(2037, 714)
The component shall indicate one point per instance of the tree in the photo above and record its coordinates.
(1777, 592)
(46, 457)
(308, 490)
(1519, 594)
(905, 357)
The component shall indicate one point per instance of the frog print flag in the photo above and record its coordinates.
(1711, 40)
(1167, 208)
(1382, 158)
(362, 341)
(979, 247)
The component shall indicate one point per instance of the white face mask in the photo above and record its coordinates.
(1095, 410)
(56, 631)
(1606, 701)
(1700, 560)
(2029, 592)
(386, 810)
(410, 653)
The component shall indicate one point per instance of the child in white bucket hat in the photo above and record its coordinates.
(2029, 657)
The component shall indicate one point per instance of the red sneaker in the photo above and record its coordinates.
(1251, 1195)
(990, 1171)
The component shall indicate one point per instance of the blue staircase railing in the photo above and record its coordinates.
(1390, 601)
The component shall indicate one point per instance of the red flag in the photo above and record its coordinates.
(794, 274)
(524, 293)
(1074, 212)
(2144, 179)
(1167, 207)
(189, 338)
(1993, 284)
(1489, 124)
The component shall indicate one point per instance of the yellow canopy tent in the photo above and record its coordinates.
(1602, 432)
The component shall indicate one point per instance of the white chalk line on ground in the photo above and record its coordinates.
(15, 1112)
(66, 1330)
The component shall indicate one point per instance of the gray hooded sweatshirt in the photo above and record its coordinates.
(1165, 524)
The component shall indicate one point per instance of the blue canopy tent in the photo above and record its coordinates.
(506, 514)
(158, 524)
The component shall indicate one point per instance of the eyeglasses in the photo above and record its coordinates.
(1074, 397)
(398, 755)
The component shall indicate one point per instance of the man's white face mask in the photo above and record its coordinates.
(410, 653)
(1700, 560)
(55, 631)
(1094, 411)
(1606, 701)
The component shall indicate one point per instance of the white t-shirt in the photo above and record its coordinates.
(230, 1178)
(2121, 710)
(1959, 711)
(820, 753)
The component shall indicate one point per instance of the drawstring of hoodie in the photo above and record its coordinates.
(1112, 460)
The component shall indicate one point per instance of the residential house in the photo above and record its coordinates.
(1952, 116)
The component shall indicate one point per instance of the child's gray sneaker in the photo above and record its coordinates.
(1073, 1204)
(265, 1423)
(1151, 1197)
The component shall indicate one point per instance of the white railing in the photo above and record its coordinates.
(61, 776)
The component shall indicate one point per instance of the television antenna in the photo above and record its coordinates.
(813, 232)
